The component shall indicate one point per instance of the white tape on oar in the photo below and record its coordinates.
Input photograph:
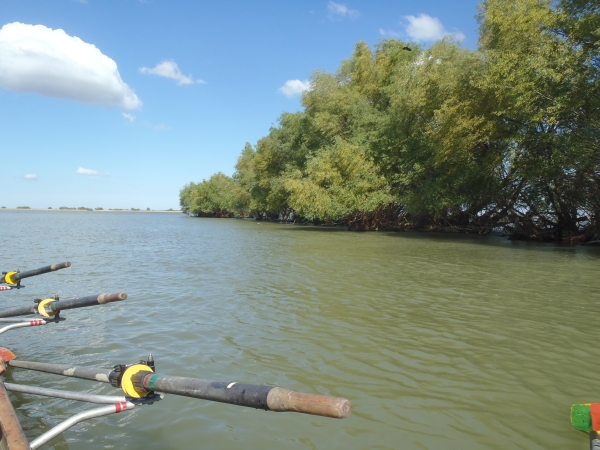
(231, 384)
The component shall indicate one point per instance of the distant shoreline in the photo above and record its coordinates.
(95, 210)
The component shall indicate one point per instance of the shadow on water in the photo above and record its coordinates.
(493, 239)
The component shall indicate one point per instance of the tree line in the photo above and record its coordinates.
(505, 137)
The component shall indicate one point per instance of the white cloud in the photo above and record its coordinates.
(30, 176)
(83, 171)
(390, 33)
(129, 117)
(34, 58)
(170, 69)
(294, 87)
(341, 10)
(427, 28)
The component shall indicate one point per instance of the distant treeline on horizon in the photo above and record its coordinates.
(84, 208)
(506, 137)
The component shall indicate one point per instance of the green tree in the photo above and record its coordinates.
(215, 197)
(340, 183)
(542, 70)
(507, 136)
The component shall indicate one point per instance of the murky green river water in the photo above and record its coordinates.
(440, 342)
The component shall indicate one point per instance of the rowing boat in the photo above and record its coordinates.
(139, 382)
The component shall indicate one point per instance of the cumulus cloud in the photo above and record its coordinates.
(426, 28)
(170, 69)
(30, 176)
(83, 171)
(294, 87)
(341, 10)
(34, 58)
(129, 117)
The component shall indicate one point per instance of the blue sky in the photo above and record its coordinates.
(135, 98)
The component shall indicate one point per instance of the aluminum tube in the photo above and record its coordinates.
(14, 320)
(86, 373)
(15, 325)
(46, 320)
(69, 395)
(64, 426)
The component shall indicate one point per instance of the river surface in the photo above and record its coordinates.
(440, 341)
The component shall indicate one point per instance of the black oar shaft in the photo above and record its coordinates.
(90, 300)
(20, 311)
(251, 395)
(86, 373)
(60, 305)
(41, 270)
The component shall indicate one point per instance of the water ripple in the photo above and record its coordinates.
(450, 342)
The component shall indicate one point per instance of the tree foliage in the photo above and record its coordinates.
(220, 196)
(505, 137)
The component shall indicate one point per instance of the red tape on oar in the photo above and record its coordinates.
(6, 354)
(595, 412)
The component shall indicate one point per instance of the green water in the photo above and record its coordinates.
(439, 341)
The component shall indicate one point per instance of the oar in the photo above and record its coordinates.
(586, 417)
(269, 398)
(16, 277)
(50, 306)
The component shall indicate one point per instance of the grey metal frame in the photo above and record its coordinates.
(116, 404)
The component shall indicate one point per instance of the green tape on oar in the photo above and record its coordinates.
(152, 381)
(581, 417)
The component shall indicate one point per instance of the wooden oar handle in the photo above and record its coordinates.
(280, 399)
(59, 266)
(109, 298)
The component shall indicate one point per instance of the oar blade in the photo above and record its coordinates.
(586, 417)
(6, 354)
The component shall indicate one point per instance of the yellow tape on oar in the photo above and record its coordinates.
(10, 278)
(42, 307)
(127, 383)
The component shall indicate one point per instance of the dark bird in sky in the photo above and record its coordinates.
(407, 48)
